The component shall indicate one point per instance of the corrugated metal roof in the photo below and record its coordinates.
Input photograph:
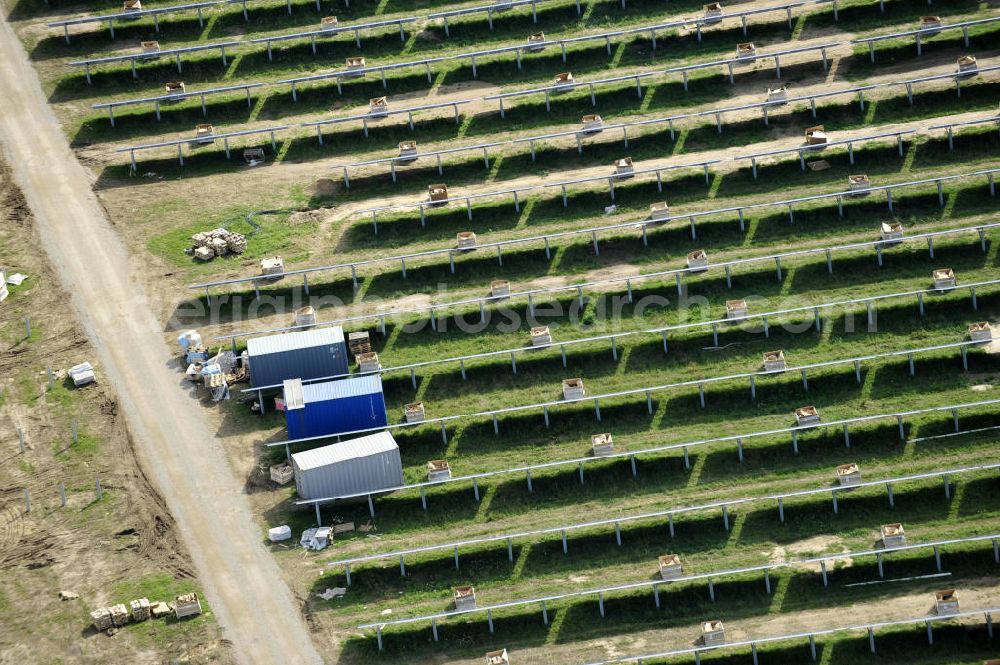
(373, 444)
(260, 346)
(352, 387)
(293, 394)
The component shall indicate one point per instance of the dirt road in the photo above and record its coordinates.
(242, 582)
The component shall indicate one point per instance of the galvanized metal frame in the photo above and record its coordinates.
(160, 100)
(591, 231)
(135, 58)
(877, 245)
(656, 585)
(919, 34)
(616, 522)
(180, 143)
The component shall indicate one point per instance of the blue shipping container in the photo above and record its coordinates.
(308, 354)
(334, 407)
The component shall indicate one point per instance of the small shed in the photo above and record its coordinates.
(306, 354)
(305, 316)
(354, 64)
(465, 240)
(540, 336)
(204, 133)
(859, 183)
(591, 124)
(415, 412)
(378, 107)
(737, 309)
(659, 212)
(930, 25)
(438, 469)
(573, 389)
(816, 136)
(777, 96)
(407, 151)
(328, 22)
(967, 66)
(366, 464)
(713, 12)
(174, 88)
(500, 288)
(746, 52)
(437, 194)
(150, 49)
(334, 407)
(536, 41)
(624, 168)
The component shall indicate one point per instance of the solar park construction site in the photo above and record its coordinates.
(528, 331)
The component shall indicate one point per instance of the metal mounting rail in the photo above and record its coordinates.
(628, 281)
(590, 231)
(655, 585)
(640, 517)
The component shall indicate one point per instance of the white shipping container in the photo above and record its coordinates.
(366, 464)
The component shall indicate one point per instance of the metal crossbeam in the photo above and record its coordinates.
(629, 281)
(654, 584)
(641, 517)
(587, 231)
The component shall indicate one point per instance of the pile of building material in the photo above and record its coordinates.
(82, 374)
(116, 616)
(217, 242)
(187, 605)
(316, 539)
(282, 473)
(279, 533)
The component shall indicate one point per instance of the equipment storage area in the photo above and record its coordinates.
(334, 407)
(367, 464)
(310, 354)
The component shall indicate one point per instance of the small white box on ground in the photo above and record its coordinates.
(624, 168)
(500, 288)
(659, 212)
(848, 474)
(305, 316)
(414, 412)
(946, 601)
(891, 231)
(279, 533)
(187, 605)
(737, 309)
(670, 567)
(713, 632)
(540, 336)
(273, 265)
(438, 469)
(944, 278)
(893, 535)
(378, 107)
(697, 261)
(465, 240)
(82, 374)
(602, 444)
(536, 41)
(967, 66)
(407, 151)
(591, 124)
(464, 597)
(816, 136)
(774, 361)
(204, 133)
(859, 183)
(368, 362)
(713, 12)
(806, 415)
(563, 81)
(930, 25)
(573, 389)
(437, 194)
(328, 22)
(746, 52)
(980, 332)
(777, 96)
(354, 65)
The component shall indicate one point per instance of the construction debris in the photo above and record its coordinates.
(159, 609)
(330, 594)
(316, 539)
(217, 242)
(101, 618)
(118, 614)
(68, 595)
(140, 609)
(278, 533)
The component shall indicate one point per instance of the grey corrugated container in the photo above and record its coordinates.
(309, 354)
(366, 464)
